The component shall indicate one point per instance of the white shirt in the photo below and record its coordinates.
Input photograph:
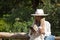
(47, 28)
(47, 31)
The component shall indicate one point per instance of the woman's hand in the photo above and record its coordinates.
(42, 21)
(35, 27)
(42, 29)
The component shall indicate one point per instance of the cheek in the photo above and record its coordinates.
(40, 18)
(37, 18)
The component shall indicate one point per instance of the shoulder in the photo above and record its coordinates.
(47, 23)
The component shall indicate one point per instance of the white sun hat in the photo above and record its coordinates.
(39, 12)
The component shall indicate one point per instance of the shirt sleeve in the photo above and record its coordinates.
(32, 24)
(29, 33)
(48, 28)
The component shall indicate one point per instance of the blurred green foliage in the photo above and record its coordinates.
(4, 26)
(15, 15)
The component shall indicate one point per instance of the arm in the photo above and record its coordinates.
(32, 29)
(48, 28)
(42, 27)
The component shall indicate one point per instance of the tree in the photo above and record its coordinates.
(22, 9)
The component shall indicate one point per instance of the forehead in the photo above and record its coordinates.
(39, 17)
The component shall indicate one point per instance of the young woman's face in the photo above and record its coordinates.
(38, 18)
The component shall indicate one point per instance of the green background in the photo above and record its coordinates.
(15, 15)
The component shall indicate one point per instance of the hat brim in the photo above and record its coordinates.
(39, 15)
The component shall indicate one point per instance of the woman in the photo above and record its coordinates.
(40, 29)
